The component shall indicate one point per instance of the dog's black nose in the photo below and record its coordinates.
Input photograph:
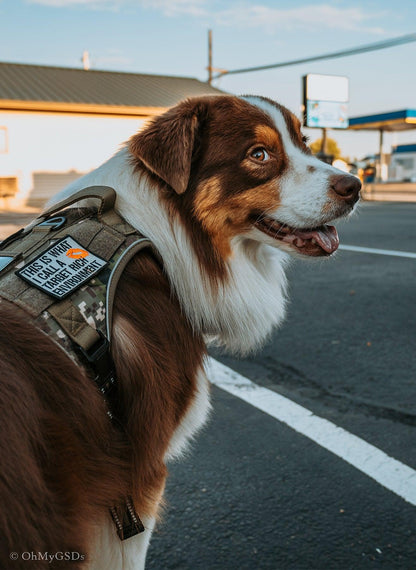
(346, 186)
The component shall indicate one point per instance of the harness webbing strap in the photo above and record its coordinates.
(118, 269)
(73, 323)
(26, 242)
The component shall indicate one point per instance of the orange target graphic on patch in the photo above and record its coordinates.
(77, 253)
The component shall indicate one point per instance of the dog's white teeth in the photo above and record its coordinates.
(313, 240)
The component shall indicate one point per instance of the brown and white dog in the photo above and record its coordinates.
(227, 190)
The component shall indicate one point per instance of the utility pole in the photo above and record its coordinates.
(86, 60)
(209, 57)
(322, 154)
(323, 142)
(210, 67)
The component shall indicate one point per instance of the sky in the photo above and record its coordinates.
(169, 37)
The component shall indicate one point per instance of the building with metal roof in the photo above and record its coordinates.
(60, 89)
(57, 123)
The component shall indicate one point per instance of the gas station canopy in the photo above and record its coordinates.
(394, 121)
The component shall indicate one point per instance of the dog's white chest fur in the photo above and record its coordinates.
(238, 314)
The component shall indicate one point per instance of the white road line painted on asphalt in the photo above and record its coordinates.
(392, 474)
(392, 252)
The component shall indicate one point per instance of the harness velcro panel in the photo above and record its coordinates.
(85, 232)
(112, 219)
(106, 243)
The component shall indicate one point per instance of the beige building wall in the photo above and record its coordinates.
(45, 151)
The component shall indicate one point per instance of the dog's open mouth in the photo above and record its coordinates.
(312, 241)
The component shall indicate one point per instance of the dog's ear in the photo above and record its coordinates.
(167, 145)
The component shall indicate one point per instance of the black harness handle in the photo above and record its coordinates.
(105, 194)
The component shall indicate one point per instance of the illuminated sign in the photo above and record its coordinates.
(325, 100)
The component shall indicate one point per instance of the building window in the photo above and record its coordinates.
(4, 142)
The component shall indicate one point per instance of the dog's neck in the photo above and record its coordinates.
(238, 313)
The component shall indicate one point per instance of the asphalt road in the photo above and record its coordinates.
(256, 495)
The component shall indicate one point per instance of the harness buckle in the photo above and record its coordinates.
(52, 224)
(126, 519)
(99, 359)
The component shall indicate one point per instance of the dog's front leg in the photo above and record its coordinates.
(134, 549)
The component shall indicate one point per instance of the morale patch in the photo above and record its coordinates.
(62, 268)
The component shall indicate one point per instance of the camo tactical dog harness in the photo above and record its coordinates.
(63, 270)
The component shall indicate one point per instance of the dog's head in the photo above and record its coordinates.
(240, 167)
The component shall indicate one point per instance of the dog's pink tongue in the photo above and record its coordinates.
(325, 236)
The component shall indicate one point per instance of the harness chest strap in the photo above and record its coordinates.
(80, 321)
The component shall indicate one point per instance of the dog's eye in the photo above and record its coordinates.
(305, 139)
(260, 154)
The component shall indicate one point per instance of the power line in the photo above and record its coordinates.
(353, 51)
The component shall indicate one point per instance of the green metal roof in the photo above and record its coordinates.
(21, 82)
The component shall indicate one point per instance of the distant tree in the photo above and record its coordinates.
(331, 147)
